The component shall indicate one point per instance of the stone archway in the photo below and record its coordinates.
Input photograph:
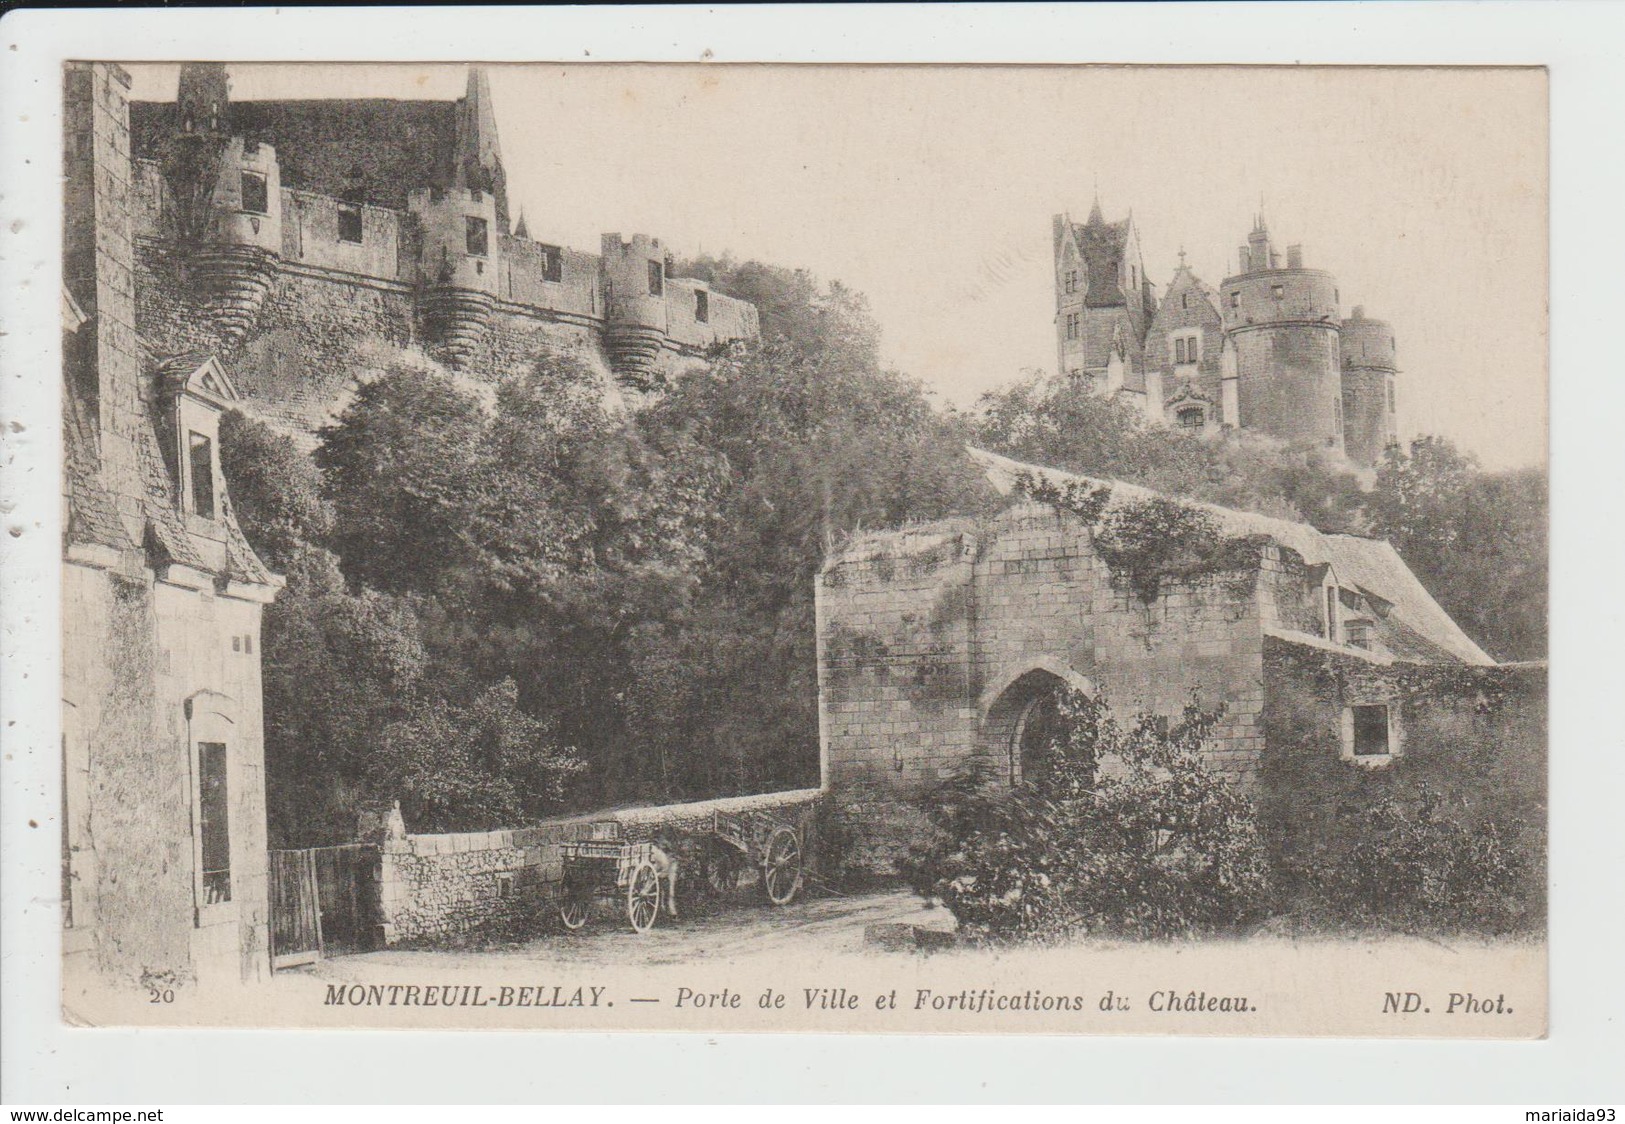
(1024, 717)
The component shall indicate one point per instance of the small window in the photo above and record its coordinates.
(1329, 621)
(1278, 292)
(1179, 350)
(1184, 300)
(201, 463)
(1190, 417)
(248, 645)
(256, 195)
(477, 236)
(657, 279)
(504, 881)
(1235, 300)
(1390, 397)
(214, 827)
(702, 306)
(1371, 731)
(1072, 281)
(350, 223)
(552, 263)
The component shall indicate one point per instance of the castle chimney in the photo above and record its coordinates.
(1294, 257)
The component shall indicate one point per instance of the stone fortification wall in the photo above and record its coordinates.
(439, 886)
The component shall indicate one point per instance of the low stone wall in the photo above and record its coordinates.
(438, 886)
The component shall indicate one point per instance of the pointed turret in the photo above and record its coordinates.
(1097, 217)
(520, 230)
(479, 155)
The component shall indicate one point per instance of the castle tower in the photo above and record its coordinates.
(458, 258)
(1103, 301)
(232, 220)
(635, 297)
(1370, 423)
(1282, 324)
(478, 154)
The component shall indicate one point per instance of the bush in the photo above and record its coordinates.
(1120, 831)
(1413, 868)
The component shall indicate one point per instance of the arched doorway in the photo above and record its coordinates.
(1024, 723)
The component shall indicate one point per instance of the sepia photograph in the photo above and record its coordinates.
(864, 548)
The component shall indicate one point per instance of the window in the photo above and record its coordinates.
(504, 883)
(213, 823)
(476, 236)
(1072, 321)
(1329, 621)
(1390, 397)
(552, 263)
(200, 460)
(1278, 292)
(702, 306)
(1370, 738)
(1190, 417)
(1179, 350)
(350, 223)
(1184, 300)
(1235, 300)
(256, 196)
(657, 278)
(1071, 284)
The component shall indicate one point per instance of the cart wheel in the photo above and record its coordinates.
(643, 898)
(723, 871)
(781, 866)
(573, 910)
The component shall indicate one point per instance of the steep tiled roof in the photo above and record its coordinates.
(394, 145)
(92, 514)
(1421, 628)
(1101, 244)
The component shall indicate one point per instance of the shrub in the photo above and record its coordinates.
(1413, 868)
(1120, 831)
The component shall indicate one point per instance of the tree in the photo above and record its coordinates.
(1477, 540)
(275, 490)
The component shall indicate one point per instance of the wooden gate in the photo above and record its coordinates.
(323, 903)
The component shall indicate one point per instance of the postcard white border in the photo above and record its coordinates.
(45, 1062)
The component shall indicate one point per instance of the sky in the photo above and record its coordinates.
(931, 190)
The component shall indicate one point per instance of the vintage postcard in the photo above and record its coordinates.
(941, 549)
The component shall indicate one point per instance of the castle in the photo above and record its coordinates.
(1268, 350)
(307, 243)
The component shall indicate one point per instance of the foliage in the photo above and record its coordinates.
(1120, 831)
(486, 765)
(1150, 541)
(1077, 498)
(1477, 540)
(1409, 866)
(276, 492)
(1064, 422)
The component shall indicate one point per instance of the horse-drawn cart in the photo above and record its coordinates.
(607, 867)
(759, 839)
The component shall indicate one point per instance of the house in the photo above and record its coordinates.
(163, 848)
(1332, 664)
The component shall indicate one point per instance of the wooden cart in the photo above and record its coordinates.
(772, 845)
(608, 868)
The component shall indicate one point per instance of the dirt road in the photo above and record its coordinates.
(739, 931)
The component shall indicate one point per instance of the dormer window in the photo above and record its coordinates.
(1278, 292)
(1184, 300)
(1071, 281)
(476, 236)
(200, 465)
(1235, 300)
(1190, 418)
(256, 193)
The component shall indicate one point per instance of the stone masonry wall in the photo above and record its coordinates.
(434, 887)
(926, 635)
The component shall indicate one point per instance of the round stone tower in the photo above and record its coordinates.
(237, 266)
(1370, 423)
(458, 256)
(224, 200)
(635, 284)
(1283, 323)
